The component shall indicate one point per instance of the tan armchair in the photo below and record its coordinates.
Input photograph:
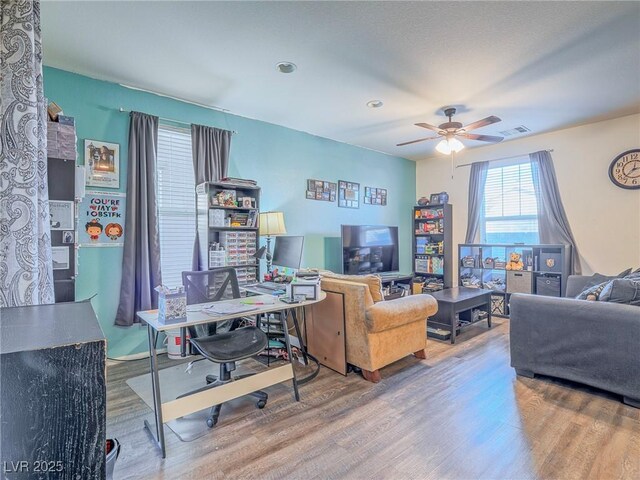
(380, 332)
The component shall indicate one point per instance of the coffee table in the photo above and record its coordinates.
(452, 301)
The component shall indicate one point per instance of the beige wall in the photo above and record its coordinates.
(605, 219)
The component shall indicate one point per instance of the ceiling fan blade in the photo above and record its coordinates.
(482, 123)
(430, 127)
(483, 138)
(416, 141)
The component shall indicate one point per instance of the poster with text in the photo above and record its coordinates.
(102, 164)
(101, 219)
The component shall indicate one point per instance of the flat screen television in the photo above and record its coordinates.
(369, 249)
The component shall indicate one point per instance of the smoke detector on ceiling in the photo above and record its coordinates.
(514, 131)
(286, 67)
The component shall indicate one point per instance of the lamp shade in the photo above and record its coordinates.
(272, 223)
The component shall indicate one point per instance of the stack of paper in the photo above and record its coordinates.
(228, 308)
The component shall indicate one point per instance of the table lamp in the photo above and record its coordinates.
(271, 223)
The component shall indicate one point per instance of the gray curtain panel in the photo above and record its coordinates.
(25, 242)
(210, 163)
(477, 180)
(141, 261)
(553, 225)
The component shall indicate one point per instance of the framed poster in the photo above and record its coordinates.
(348, 194)
(101, 218)
(61, 215)
(60, 258)
(102, 164)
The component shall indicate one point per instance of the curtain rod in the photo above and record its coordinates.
(503, 158)
(234, 132)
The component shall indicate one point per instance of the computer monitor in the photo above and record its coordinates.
(287, 251)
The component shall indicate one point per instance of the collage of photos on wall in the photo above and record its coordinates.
(321, 190)
(375, 196)
(347, 193)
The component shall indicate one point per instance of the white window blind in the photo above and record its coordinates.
(510, 210)
(176, 203)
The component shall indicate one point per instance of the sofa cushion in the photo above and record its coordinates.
(594, 290)
(622, 290)
(401, 311)
(624, 273)
(372, 281)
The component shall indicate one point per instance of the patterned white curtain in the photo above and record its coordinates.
(26, 275)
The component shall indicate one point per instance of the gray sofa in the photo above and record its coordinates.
(594, 343)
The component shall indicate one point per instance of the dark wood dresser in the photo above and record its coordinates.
(52, 393)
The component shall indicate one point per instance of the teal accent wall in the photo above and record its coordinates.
(278, 158)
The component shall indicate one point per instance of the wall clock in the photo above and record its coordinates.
(624, 171)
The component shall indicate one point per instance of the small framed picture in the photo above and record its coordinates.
(68, 236)
(311, 184)
(319, 184)
(342, 203)
(60, 258)
(311, 194)
(61, 215)
(434, 199)
(319, 195)
(332, 197)
(343, 184)
(367, 200)
(246, 202)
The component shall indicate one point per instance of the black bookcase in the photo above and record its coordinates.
(233, 227)
(433, 242)
(545, 270)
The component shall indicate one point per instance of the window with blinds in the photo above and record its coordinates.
(176, 203)
(510, 213)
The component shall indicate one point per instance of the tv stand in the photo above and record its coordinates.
(389, 282)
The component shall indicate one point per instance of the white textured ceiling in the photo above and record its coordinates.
(545, 65)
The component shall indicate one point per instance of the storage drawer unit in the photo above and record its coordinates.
(519, 282)
(548, 286)
(550, 261)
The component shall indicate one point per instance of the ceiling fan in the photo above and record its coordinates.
(448, 131)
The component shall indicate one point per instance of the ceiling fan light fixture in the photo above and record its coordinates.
(443, 147)
(455, 144)
(449, 145)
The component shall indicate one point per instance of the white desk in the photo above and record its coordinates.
(165, 412)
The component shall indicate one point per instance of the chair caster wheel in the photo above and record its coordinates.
(261, 404)
(211, 421)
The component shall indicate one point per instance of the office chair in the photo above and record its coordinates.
(223, 348)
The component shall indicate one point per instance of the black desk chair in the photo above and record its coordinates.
(223, 348)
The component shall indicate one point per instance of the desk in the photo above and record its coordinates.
(165, 412)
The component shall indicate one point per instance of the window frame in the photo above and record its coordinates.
(501, 164)
(186, 154)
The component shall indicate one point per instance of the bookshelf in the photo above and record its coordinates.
(227, 220)
(432, 243)
(546, 270)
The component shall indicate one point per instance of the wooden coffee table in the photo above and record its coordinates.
(452, 301)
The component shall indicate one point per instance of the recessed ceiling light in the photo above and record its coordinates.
(374, 103)
(286, 67)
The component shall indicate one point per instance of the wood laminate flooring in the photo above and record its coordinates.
(460, 414)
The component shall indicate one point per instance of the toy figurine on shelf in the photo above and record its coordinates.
(515, 262)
